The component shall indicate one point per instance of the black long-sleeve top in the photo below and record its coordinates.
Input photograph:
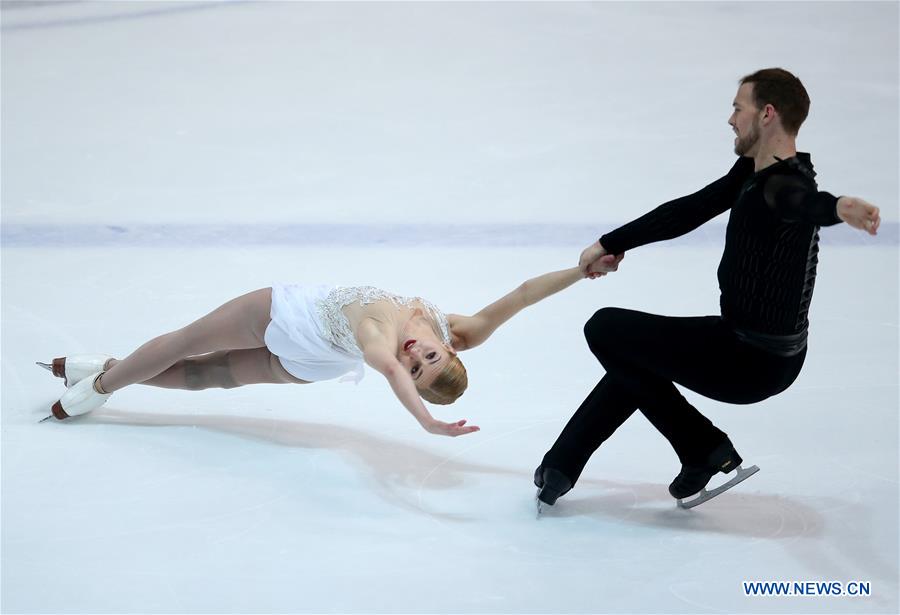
(768, 268)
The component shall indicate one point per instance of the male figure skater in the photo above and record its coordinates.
(756, 348)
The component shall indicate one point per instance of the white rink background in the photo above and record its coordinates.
(161, 158)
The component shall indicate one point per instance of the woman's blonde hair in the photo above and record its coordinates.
(448, 385)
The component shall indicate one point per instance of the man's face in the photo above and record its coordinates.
(745, 121)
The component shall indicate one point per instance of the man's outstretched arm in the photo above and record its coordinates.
(669, 220)
(794, 199)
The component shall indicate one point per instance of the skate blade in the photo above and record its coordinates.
(742, 475)
(47, 366)
(538, 504)
(46, 418)
(541, 507)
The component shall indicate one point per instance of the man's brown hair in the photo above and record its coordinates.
(782, 90)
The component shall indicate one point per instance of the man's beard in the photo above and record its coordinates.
(745, 143)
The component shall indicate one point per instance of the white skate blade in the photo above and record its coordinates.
(705, 495)
(46, 366)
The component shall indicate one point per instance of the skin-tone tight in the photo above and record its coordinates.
(224, 349)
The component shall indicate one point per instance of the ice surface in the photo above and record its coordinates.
(154, 121)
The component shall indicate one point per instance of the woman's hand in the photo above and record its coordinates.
(605, 264)
(590, 254)
(441, 428)
(596, 262)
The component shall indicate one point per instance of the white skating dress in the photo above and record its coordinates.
(310, 335)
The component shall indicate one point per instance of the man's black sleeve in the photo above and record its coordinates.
(796, 199)
(682, 215)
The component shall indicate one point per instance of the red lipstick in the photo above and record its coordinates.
(408, 344)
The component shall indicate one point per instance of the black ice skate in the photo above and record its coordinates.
(694, 478)
(551, 485)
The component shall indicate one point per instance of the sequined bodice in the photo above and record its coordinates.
(337, 328)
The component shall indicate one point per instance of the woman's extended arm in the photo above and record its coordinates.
(378, 355)
(470, 331)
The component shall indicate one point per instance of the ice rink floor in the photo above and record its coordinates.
(162, 158)
(330, 498)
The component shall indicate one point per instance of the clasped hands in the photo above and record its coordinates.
(596, 262)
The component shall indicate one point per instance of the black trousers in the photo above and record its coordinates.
(644, 354)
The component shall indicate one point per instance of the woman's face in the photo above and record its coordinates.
(422, 353)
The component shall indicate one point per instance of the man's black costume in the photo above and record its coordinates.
(754, 350)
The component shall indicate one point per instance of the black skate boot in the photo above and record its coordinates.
(552, 484)
(693, 478)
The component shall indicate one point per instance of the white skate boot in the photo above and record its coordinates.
(76, 368)
(81, 398)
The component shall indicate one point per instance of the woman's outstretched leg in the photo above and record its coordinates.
(239, 324)
(225, 369)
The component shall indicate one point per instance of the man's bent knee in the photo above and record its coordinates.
(600, 329)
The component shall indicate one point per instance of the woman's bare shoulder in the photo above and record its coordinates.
(372, 330)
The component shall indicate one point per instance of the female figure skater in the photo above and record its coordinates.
(303, 334)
